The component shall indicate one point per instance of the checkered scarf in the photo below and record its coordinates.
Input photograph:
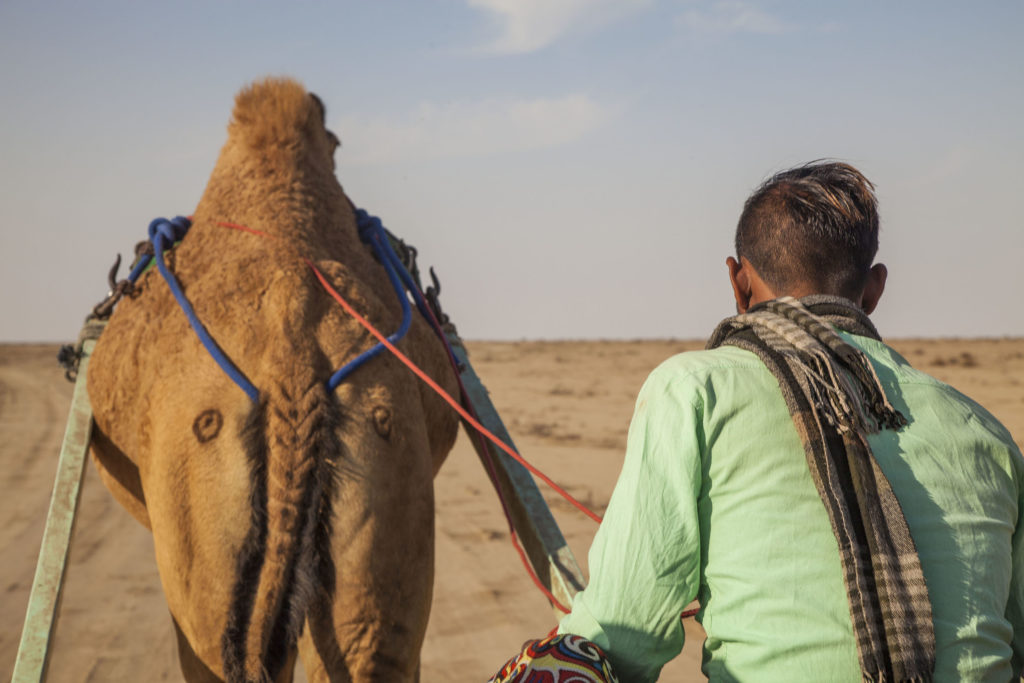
(836, 400)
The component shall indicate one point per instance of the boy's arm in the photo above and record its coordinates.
(645, 559)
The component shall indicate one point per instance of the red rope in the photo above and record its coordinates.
(243, 228)
(481, 430)
(493, 476)
(426, 378)
(475, 424)
(470, 419)
(444, 394)
(492, 473)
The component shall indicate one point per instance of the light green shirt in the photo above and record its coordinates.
(715, 502)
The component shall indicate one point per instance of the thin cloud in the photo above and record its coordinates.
(470, 129)
(733, 16)
(530, 25)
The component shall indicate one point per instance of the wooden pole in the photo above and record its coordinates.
(550, 556)
(44, 600)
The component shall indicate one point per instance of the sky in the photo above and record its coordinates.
(571, 168)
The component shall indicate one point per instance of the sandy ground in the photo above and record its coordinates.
(567, 405)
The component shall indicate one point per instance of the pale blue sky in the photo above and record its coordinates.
(572, 168)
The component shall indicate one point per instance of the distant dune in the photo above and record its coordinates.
(566, 404)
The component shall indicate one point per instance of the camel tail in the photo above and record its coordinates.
(291, 442)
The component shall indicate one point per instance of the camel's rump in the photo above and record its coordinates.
(308, 505)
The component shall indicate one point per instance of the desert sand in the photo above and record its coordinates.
(566, 404)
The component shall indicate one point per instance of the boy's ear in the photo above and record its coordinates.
(874, 287)
(741, 285)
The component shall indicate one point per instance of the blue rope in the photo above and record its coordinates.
(140, 267)
(372, 230)
(411, 285)
(163, 234)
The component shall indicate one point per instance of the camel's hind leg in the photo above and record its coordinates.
(192, 668)
(369, 617)
(313, 651)
(314, 663)
(321, 653)
(195, 671)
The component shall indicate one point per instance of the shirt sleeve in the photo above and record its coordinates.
(1015, 603)
(645, 559)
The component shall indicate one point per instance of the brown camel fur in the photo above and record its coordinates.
(304, 521)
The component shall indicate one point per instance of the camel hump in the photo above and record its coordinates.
(291, 440)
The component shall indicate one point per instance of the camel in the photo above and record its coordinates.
(300, 524)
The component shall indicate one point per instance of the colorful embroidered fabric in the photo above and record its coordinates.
(557, 659)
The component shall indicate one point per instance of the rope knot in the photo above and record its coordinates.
(368, 225)
(166, 232)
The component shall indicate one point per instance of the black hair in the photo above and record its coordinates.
(814, 225)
